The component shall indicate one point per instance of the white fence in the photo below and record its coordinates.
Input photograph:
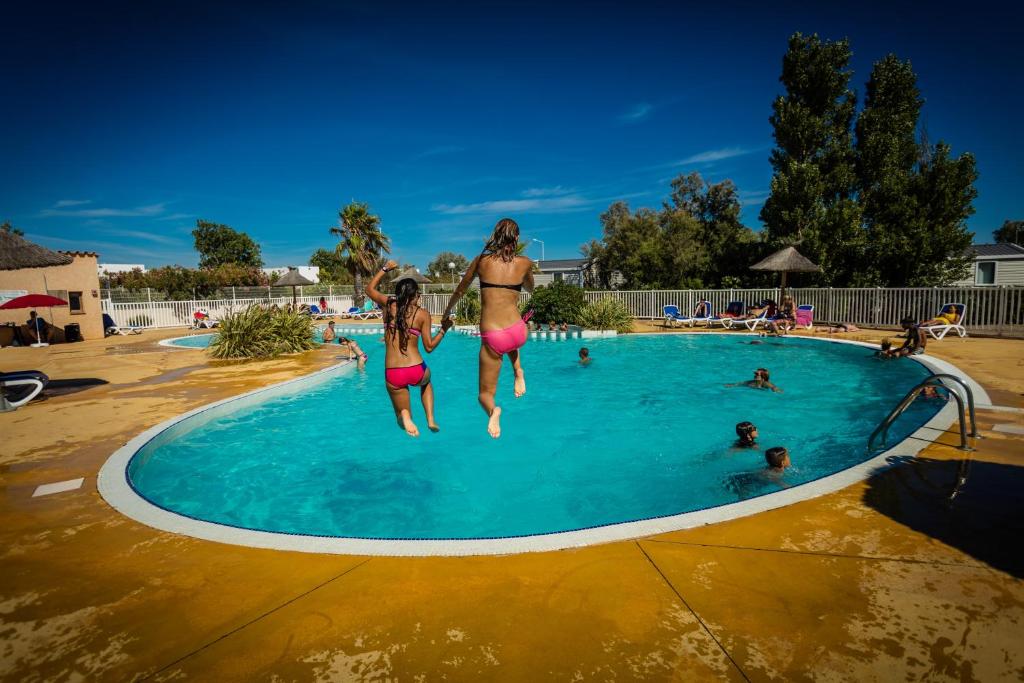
(994, 310)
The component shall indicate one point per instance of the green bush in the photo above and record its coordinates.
(467, 311)
(558, 301)
(257, 333)
(606, 314)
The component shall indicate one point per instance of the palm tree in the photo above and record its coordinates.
(361, 243)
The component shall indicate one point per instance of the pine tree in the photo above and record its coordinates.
(812, 202)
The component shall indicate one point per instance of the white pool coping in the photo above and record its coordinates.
(114, 487)
(170, 342)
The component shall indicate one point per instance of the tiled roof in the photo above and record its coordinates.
(992, 250)
(80, 253)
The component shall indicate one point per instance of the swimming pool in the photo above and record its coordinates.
(203, 340)
(644, 432)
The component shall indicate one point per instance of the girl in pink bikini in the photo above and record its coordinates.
(404, 323)
(502, 329)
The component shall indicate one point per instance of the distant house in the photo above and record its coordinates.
(995, 264)
(311, 273)
(575, 271)
(114, 268)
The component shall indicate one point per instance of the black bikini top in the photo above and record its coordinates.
(517, 288)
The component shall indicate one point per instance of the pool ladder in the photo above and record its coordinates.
(934, 380)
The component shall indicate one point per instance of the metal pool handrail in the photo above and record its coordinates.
(883, 426)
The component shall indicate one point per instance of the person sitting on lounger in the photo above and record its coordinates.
(950, 316)
(36, 322)
(760, 381)
(785, 320)
(747, 435)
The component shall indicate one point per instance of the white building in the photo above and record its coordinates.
(995, 264)
(311, 273)
(113, 268)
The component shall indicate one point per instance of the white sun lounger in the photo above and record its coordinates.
(940, 331)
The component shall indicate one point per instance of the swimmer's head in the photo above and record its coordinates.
(584, 353)
(777, 458)
(746, 431)
(761, 374)
(886, 344)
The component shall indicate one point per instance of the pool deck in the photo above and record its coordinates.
(882, 580)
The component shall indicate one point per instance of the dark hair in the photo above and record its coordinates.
(886, 344)
(908, 320)
(406, 291)
(763, 372)
(584, 352)
(744, 430)
(774, 456)
(504, 240)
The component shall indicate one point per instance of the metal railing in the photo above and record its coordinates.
(935, 380)
(992, 310)
(180, 313)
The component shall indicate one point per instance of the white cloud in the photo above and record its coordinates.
(148, 210)
(174, 217)
(71, 202)
(147, 236)
(555, 191)
(715, 155)
(544, 204)
(639, 112)
(753, 197)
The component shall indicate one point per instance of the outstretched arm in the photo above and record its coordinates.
(371, 289)
(467, 279)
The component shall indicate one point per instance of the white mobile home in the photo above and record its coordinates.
(995, 264)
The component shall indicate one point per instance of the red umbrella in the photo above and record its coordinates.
(33, 301)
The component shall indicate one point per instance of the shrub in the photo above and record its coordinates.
(257, 333)
(606, 314)
(467, 311)
(141, 320)
(558, 301)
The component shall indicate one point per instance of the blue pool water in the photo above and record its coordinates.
(646, 430)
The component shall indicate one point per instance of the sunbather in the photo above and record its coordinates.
(834, 328)
(785, 319)
(950, 316)
(404, 322)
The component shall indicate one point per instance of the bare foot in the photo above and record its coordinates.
(433, 426)
(408, 425)
(494, 423)
(519, 388)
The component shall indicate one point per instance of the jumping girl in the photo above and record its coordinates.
(502, 329)
(405, 322)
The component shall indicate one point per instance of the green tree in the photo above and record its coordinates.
(814, 181)
(438, 269)
(1009, 232)
(361, 243)
(915, 199)
(332, 267)
(7, 227)
(218, 244)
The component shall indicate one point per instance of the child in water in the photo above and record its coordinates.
(777, 459)
(584, 356)
(760, 381)
(747, 433)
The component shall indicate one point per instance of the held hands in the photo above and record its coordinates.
(447, 324)
(390, 265)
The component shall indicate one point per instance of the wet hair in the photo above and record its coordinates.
(908, 321)
(406, 291)
(584, 352)
(886, 344)
(744, 430)
(504, 240)
(763, 372)
(775, 456)
(330, 323)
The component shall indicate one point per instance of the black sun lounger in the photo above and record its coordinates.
(18, 388)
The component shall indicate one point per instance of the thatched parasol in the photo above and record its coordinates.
(16, 252)
(412, 273)
(787, 260)
(293, 279)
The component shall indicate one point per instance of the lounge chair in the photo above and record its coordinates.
(672, 315)
(752, 323)
(18, 388)
(110, 328)
(707, 316)
(939, 331)
(733, 311)
(368, 312)
(317, 314)
(805, 316)
(201, 320)
(351, 312)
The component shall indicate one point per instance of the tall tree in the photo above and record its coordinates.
(438, 268)
(361, 243)
(7, 227)
(915, 199)
(332, 267)
(813, 184)
(1009, 231)
(218, 244)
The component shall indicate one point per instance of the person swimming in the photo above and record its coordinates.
(503, 275)
(747, 435)
(761, 381)
(404, 321)
(584, 356)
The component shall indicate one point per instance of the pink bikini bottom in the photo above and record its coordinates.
(506, 340)
(403, 378)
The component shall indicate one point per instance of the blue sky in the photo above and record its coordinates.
(123, 123)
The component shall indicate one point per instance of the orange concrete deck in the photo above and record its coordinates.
(881, 581)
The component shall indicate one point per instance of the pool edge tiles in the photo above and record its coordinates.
(114, 486)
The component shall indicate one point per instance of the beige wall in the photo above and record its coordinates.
(78, 276)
